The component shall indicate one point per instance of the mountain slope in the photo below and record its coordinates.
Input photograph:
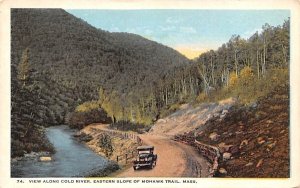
(67, 47)
(79, 59)
(66, 61)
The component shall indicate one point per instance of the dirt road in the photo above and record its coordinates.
(174, 160)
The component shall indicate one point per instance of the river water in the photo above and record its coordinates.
(72, 159)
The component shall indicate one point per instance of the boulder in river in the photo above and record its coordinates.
(45, 159)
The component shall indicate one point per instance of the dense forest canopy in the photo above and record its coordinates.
(66, 71)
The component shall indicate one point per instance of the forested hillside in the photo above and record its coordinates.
(246, 68)
(66, 71)
(69, 61)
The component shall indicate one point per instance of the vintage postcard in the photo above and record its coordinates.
(149, 93)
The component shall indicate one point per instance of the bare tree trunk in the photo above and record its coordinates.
(257, 65)
(236, 63)
(284, 54)
(212, 71)
(206, 84)
(264, 60)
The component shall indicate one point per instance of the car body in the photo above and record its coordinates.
(145, 157)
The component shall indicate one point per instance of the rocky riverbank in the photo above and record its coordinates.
(107, 142)
(36, 156)
(71, 159)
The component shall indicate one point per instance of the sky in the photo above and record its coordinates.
(191, 32)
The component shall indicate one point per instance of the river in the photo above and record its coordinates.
(72, 158)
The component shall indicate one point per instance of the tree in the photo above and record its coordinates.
(24, 68)
(105, 143)
(102, 96)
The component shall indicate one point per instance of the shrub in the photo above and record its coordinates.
(105, 143)
(87, 106)
(80, 119)
(247, 87)
(128, 126)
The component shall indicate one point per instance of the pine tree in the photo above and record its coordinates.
(23, 68)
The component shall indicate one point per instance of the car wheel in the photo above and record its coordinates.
(152, 165)
(134, 168)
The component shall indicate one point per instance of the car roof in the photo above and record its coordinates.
(145, 147)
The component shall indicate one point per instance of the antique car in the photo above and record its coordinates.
(145, 157)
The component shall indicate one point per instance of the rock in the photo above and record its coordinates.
(254, 105)
(227, 148)
(77, 134)
(222, 171)
(226, 156)
(222, 147)
(214, 136)
(260, 140)
(215, 164)
(259, 163)
(282, 131)
(238, 132)
(224, 112)
(222, 144)
(222, 116)
(45, 159)
(216, 115)
(244, 143)
(249, 164)
(233, 149)
(209, 116)
(269, 121)
(272, 145)
(31, 155)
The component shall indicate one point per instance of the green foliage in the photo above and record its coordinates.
(233, 79)
(260, 52)
(117, 63)
(169, 110)
(87, 106)
(80, 119)
(24, 67)
(129, 126)
(27, 135)
(246, 69)
(249, 88)
(105, 143)
(138, 80)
